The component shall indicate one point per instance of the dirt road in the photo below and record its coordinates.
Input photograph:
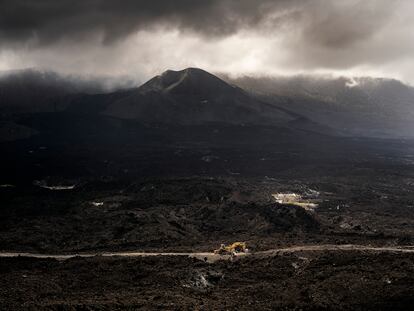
(211, 257)
(344, 247)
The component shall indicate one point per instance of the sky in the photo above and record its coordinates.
(141, 38)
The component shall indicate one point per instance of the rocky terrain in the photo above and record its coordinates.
(310, 281)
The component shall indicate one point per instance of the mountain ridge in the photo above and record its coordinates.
(364, 106)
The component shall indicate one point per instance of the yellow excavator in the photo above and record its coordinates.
(232, 249)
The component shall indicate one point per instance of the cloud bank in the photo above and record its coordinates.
(263, 37)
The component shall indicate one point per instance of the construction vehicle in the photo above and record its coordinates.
(233, 249)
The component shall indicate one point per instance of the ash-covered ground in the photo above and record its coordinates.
(193, 192)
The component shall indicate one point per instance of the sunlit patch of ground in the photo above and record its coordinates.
(45, 185)
(296, 199)
(7, 186)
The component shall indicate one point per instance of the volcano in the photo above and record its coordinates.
(193, 96)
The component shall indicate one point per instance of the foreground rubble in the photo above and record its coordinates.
(291, 281)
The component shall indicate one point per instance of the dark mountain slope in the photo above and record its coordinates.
(193, 96)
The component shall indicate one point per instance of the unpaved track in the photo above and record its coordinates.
(344, 247)
(211, 257)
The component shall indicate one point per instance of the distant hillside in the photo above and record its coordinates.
(357, 106)
(27, 91)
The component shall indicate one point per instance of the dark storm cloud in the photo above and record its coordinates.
(46, 21)
(263, 36)
(330, 23)
(342, 34)
(335, 25)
